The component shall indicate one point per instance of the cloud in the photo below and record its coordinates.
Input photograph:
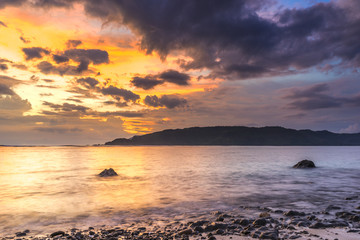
(24, 40)
(96, 56)
(60, 130)
(9, 81)
(60, 58)
(168, 101)
(233, 40)
(175, 77)
(3, 24)
(118, 93)
(150, 81)
(14, 103)
(88, 82)
(353, 128)
(73, 43)
(35, 52)
(128, 114)
(3, 67)
(4, 3)
(66, 107)
(5, 90)
(146, 83)
(316, 97)
(19, 66)
(64, 69)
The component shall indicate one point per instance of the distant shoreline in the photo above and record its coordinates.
(240, 136)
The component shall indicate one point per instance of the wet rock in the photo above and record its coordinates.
(332, 207)
(303, 224)
(292, 213)
(108, 173)
(264, 215)
(305, 164)
(220, 219)
(20, 234)
(219, 232)
(186, 232)
(259, 222)
(244, 222)
(319, 225)
(198, 224)
(274, 235)
(58, 233)
(79, 235)
(215, 226)
(346, 215)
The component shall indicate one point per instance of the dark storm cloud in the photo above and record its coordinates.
(60, 58)
(5, 90)
(175, 77)
(3, 24)
(233, 40)
(73, 43)
(146, 83)
(150, 81)
(88, 82)
(168, 101)
(35, 52)
(118, 93)
(230, 38)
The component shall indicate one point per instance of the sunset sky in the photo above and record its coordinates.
(86, 72)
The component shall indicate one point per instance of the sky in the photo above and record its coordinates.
(87, 72)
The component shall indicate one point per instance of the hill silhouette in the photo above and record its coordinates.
(244, 136)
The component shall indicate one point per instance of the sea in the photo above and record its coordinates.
(44, 189)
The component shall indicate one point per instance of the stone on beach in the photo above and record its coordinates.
(108, 173)
(54, 234)
(305, 164)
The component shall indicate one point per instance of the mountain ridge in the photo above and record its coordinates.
(242, 136)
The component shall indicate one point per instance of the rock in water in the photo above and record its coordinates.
(108, 173)
(304, 164)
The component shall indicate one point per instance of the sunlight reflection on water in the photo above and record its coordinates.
(59, 185)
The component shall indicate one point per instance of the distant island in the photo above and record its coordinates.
(242, 136)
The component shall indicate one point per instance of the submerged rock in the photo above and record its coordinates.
(108, 173)
(305, 164)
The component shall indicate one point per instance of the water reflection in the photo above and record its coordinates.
(48, 186)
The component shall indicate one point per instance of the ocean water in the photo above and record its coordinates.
(52, 188)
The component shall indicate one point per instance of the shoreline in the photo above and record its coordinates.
(245, 223)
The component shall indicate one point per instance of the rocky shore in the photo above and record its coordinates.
(334, 222)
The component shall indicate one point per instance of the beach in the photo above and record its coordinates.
(253, 223)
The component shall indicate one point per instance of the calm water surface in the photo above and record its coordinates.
(54, 187)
